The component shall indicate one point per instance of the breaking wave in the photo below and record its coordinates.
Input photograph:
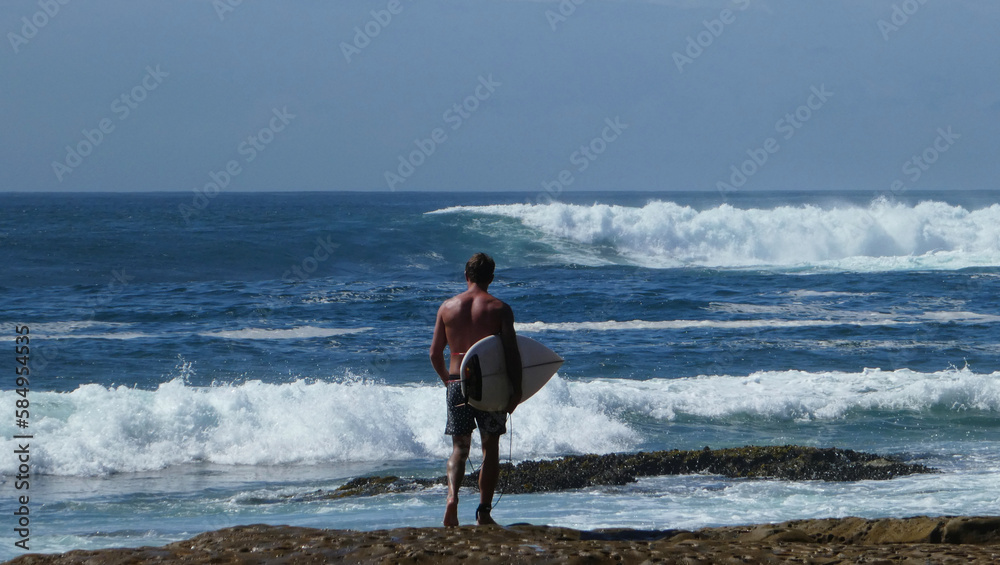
(884, 236)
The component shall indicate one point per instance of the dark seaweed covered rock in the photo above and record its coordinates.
(778, 462)
(370, 486)
(788, 462)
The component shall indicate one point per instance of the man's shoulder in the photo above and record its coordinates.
(498, 306)
(453, 302)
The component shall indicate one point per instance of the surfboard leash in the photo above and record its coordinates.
(510, 452)
(510, 462)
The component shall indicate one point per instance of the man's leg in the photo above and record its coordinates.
(488, 475)
(456, 472)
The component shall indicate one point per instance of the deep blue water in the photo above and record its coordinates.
(210, 368)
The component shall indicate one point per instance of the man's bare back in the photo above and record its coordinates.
(466, 319)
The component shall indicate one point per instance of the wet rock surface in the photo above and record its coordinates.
(370, 486)
(778, 462)
(787, 462)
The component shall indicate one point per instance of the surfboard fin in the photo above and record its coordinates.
(473, 378)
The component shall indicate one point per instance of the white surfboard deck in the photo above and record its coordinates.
(538, 363)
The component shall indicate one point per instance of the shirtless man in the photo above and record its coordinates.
(462, 321)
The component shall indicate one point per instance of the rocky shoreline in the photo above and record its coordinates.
(843, 540)
(916, 540)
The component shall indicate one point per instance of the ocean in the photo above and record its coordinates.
(198, 363)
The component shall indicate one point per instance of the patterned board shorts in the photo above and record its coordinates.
(462, 418)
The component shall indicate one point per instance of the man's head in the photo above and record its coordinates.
(479, 269)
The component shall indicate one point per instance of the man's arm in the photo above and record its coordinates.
(512, 356)
(438, 342)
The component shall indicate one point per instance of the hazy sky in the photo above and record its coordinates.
(126, 95)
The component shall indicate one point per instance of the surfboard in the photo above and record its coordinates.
(484, 371)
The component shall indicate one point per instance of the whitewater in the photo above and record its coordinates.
(102, 431)
(884, 235)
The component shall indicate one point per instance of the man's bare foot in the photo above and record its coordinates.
(451, 514)
(483, 517)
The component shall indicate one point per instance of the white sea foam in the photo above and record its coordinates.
(884, 236)
(71, 325)
(85, 329)
(961, 317)
(122, 331)
(827, 294)
(792, 395)
(96, 430)
(613, 325)
(822, 318)
(303, 332)
(107, 335)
